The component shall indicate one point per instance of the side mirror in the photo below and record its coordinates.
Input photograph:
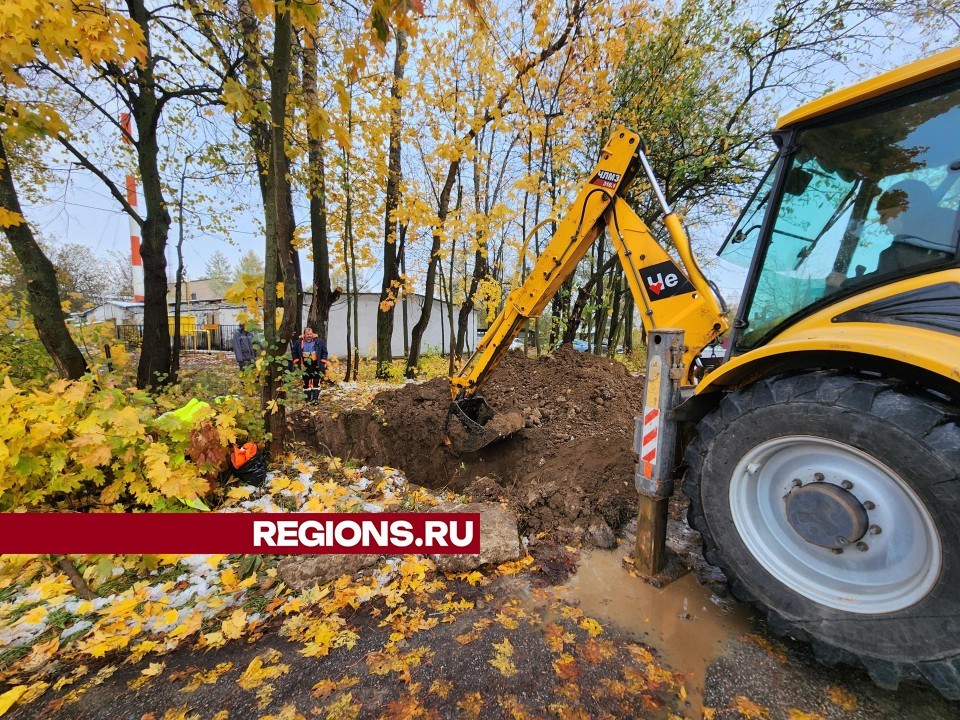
(740, 235)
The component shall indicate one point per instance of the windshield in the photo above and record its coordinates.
(865, 199)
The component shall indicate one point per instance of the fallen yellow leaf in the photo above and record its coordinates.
(794, 714)
(441, 688)
(592, 627)
(471, 705)
(343, 708)
(841, 697)
(233, 626)
(502, 659)
(266, 666)
(749, 709)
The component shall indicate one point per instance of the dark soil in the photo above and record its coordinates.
(568, 473)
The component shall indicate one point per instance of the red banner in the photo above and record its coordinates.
(240, 533)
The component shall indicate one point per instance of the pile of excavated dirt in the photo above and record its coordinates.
(568, 474)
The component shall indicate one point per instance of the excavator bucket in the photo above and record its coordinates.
(472, 424)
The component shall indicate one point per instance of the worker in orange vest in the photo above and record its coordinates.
(309, 353)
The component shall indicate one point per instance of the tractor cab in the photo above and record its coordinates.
(856, 198)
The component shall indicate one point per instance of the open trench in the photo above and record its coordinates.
(568, 474)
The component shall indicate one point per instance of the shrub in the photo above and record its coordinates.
(81, 446)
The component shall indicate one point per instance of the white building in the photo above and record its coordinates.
(221, 318)
(122, 311)
(437, 336)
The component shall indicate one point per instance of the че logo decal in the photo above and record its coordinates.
(665, 280)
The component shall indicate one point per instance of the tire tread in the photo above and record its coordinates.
(922, 416)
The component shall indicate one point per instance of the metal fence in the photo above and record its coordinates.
(219, 337)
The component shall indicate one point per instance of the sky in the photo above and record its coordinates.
(85, 213)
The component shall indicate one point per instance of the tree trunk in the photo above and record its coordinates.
(279, 261)
(599, 315)
(480, 267)
(41, 277)
(405, 299)
(347, 243)
(356, 300)
(576, 312)
(178, 282)
(430, 285)
(615, 314)
(154, 367)
(390, 288)
(318, 317)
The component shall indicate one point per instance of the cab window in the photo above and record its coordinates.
(867, 199)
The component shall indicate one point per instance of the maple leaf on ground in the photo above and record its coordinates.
(471, 705)
(287, 712)
(749, 709)
(592, 627)
(776, 651)
(502, 659)
(476, 633)
(513, 708)
(40, 654)
(233, 626)
(596, 651)
(343, 708)
(473, 578)
(146, 675)
(182, 713)
(323, 688)
(794, 714)
(387, 661)
(507, 622)
(207, 677)
(841, 697)
(265, 666)
(565, 712)
(566, 667)
(556, 637)
(11, 696)
(404, 707)
(441, 688)
(512, 568)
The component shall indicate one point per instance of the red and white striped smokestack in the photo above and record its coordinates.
(134, 228)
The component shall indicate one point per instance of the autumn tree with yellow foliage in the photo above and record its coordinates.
(84, 32)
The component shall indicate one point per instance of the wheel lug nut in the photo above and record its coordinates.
(862, 546)
(869, 505)
(875, 530)
(846, 484)
(841, 540)
(818, 477)
(797, 482)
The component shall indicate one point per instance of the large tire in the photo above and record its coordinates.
(892, 605)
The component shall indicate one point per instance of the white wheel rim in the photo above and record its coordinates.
(900, 565)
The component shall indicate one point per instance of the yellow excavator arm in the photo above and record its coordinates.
(667, 295)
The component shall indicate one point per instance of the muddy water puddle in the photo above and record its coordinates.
(685, 622)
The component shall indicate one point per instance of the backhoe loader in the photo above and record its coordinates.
(822, 457)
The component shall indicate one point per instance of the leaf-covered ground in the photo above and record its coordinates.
(221, 637)
(230, 640)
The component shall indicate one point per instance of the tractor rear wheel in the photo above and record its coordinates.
(832, 502)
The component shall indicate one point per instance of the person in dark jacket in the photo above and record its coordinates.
(309, 353)
(243, 347)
